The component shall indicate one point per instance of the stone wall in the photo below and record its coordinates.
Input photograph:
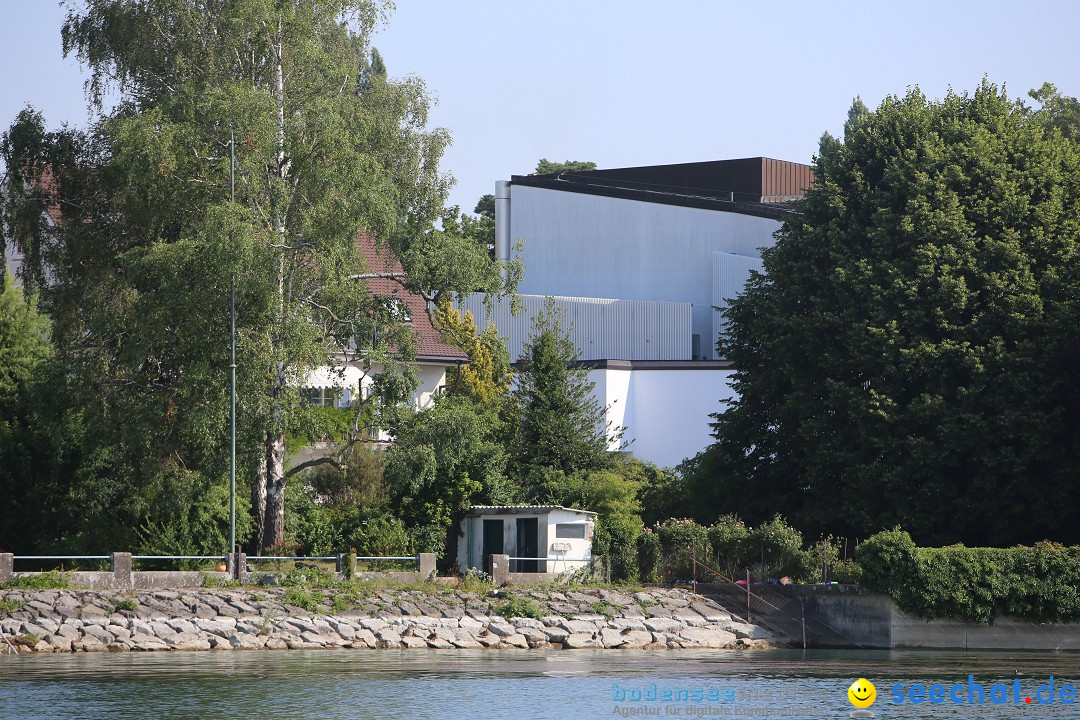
(257, 618)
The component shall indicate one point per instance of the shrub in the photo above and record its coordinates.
(680, 541)
(517, 606)
(10, 606)
(648, 545)
(1039, 584)
(776, 550)
(124, 603)
(603, 607)
(728, 539)
(301, 598)
(616, 542)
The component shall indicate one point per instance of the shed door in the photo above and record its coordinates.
(528, 543)
(493, 538)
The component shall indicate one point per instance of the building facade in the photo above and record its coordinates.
(638, 260)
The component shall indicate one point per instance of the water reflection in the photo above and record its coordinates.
(501, 684)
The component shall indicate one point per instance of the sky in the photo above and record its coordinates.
(623, 82)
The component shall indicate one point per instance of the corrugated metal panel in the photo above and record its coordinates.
(730, 273)
(783, 179)
(600, 328)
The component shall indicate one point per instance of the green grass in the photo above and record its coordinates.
(53, 580)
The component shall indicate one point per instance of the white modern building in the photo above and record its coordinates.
(638, 259)
(561, 537)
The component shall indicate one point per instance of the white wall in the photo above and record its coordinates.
(582, 245)
(665, 412)
(578, 555)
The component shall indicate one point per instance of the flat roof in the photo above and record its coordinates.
(530, 509)
(762, 187)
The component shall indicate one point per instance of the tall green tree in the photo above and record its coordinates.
(559, 426)
(911, 354)
(136, 272)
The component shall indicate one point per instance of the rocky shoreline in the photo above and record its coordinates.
(261, 618)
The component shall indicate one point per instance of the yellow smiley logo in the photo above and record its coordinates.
(862, 693)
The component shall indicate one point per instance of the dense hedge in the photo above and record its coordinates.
(773, 549)
(1039, 584)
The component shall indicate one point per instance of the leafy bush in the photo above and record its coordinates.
(1038, 584)
(124, 603)
(728, 539)
(781, 552)
(517, 606)
(301, 598)
(10, 606)
(615, 541)
(603, 607)
(648, 546)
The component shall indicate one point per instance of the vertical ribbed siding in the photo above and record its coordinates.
(780, 178)
(600, 328)
(730, 273)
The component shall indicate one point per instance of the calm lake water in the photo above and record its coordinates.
(348, 685)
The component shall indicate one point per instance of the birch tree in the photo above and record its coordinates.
(136, 273)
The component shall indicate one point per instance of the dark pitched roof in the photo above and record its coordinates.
(429, 342)
(757, 186)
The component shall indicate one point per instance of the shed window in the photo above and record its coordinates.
(570, 530)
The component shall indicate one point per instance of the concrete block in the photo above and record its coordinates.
(121, 570)
(427, 566)
(7, 567)
(498, 567)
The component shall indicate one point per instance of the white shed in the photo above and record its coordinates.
(560, 538)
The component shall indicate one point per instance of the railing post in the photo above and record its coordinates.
(235, 564)
(121, 570)
(7, 567)
(498, 567)
(426, 564)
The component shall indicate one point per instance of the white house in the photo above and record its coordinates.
(350, 378)
(561, 536)
(638, 259)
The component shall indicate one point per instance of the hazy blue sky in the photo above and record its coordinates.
(634, 83)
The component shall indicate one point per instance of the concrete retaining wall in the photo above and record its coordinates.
(874, 621)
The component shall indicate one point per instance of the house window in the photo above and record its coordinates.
(570, 530)
(324, 397)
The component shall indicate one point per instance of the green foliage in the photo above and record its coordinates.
(603, 607)
(1039, 584)
(445, 459)
(775, 549)
(487, 376)
(559, 427)
(124, 604)
(52, 580)
(10, 606)
(301, 598)
(146, 240)
(309, 577)
(547, 167)
(729, 540)
(908, 356)
(518, 606)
